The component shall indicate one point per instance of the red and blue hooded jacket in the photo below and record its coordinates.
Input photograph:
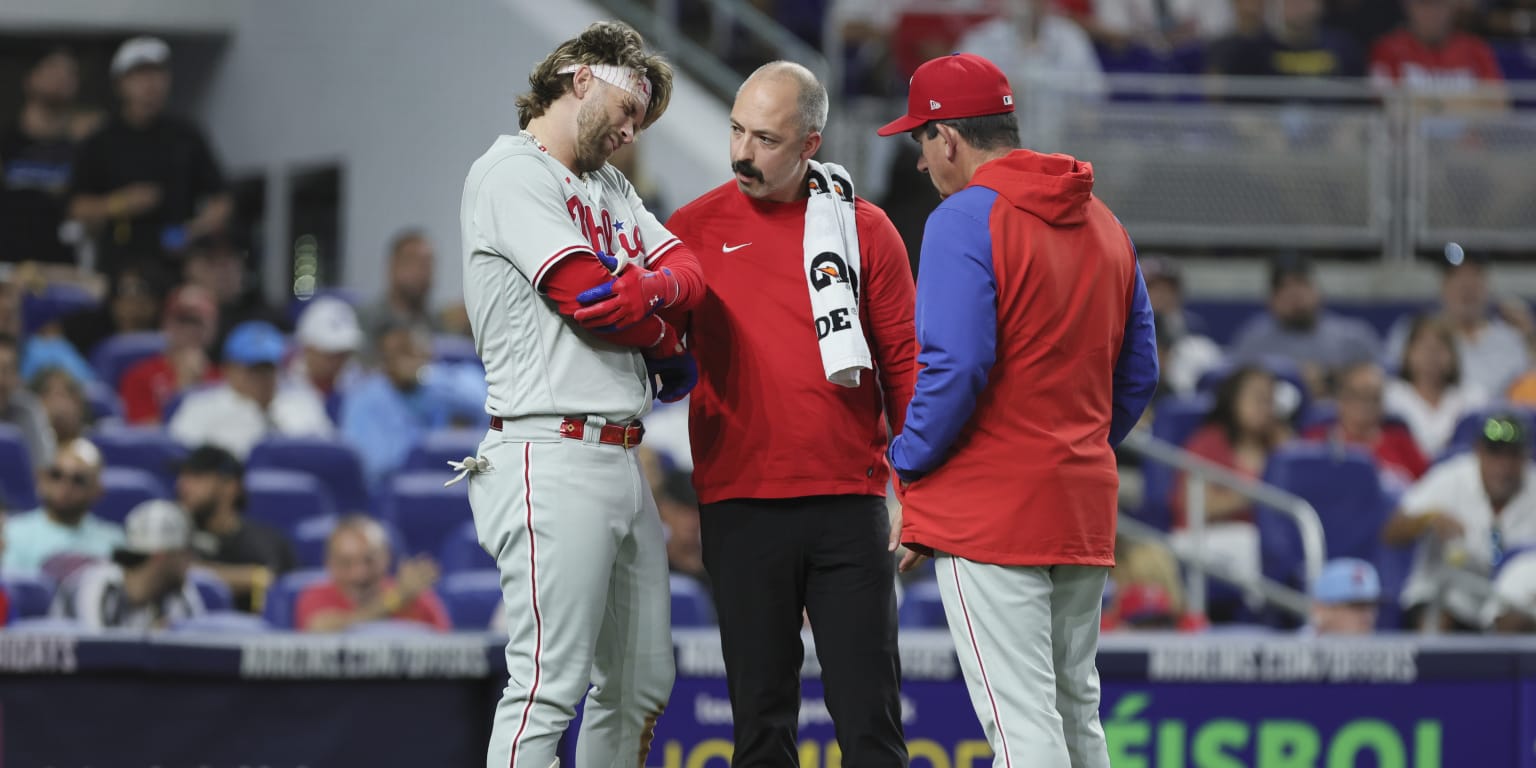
(1036, 356)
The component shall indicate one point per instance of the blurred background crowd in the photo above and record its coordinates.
(180, 441)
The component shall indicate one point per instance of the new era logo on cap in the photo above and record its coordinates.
(971, 87)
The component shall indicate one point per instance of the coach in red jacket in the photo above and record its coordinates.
(1036, 355)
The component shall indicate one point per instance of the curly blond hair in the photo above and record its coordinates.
(604, 42)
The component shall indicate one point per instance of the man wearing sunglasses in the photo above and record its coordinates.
(68, 488)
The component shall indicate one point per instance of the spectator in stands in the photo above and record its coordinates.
(245, 554)
(1147, 590)
(1159, 26)
(1493, 340)
(1429, 55)
(1298, 329)
(360, 589)
(1240, 434)
(1359, 391)
(1464, 515)
(1140, 607)
(329, 337)
(249, 405)
(1299, 47)
(1345, 599)
(1363, 20)
(1250, 32)
(1428, 393)
(145, 587)
(36, 153)
(391, 410)
(132, 304)
(1187, 354)
(411, 260)
(147, 182)
(216, 263)
(679, 507)
(63, 399)
(19, 408)
(1513, 607)
(1511, 19)
(150, 384)
(68, 488)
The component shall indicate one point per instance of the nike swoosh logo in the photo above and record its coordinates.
(732, 248)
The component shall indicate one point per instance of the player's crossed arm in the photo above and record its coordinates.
(572, 277)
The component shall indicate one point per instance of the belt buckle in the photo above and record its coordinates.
(626, 442)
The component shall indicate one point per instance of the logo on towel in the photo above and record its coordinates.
(828, 268)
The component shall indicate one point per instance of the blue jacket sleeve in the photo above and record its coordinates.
(1136, 371)
(956, 322)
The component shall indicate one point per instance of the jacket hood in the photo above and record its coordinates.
(1054, 188)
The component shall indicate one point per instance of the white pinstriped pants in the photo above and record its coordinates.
(1027, 639)
(577, 538)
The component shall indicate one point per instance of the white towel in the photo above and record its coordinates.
(832, 273)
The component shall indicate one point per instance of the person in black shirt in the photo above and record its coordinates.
(217, 263)
(246, 555)
(1300, 47)
(146, 183)
(36, 154)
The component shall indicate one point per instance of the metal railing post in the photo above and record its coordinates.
(1194, 508)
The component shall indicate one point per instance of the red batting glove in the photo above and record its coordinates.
(627, 299)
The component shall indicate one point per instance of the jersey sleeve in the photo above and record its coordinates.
(522, 214)
(657, 238)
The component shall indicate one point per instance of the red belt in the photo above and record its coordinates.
(626, 435)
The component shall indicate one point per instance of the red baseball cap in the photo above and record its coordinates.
(953, 86)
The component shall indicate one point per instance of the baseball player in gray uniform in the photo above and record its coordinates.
(564, 271)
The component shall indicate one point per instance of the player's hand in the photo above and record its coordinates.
(678, 375)
(632, 296)
(417, 575)
(909, 559)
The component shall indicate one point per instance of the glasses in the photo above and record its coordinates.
(77, 479)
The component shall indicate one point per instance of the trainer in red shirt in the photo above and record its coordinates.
(787, 463)
(1429, 54)
(191, 320)
(359, 589)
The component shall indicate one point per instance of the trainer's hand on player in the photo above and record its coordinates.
(677, 375)
(416, 576)
(635, 294)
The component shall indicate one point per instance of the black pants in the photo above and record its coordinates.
(768, 559)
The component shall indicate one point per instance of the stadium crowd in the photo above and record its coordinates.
(174, 450)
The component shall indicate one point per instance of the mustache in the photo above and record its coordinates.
(746, 168)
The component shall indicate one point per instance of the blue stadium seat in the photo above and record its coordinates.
(114, 356)
(223, 622)
(1343, 485)
(691, 606)
(102, 402)
(123, 488)
(425, 511)
(462, 551)
(146, 448)
(921, 607)
(284, 594)
(333, 462)
(451, 348)
(1174, 419)
(472, 598)
(30, 596)
(282, 498)
(214, 592)
(441, 446)
(17, 489)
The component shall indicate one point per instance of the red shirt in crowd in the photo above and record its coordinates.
(147, 386)
(1394, 449)
(427, 608)
(764, 422)
(1210, 443)
(1458, 64)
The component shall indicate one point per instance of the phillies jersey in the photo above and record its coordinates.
(1461, 63)
(522, 213)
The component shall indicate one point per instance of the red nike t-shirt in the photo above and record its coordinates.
(427, 608)
(764, 422)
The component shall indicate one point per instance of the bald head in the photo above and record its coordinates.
(808, 94)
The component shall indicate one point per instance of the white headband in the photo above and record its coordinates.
(623, 78)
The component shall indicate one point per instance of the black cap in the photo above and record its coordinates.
(1453, 255)
(211, 460)
(1504, 432)
(1288, 264)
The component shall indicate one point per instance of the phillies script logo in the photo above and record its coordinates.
(828, 268)
(610, 235)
